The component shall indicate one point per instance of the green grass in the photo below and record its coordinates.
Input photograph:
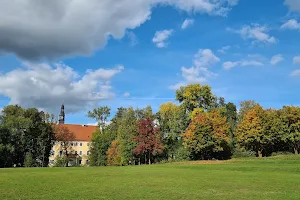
(267, 178)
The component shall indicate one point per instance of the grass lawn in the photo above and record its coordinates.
(267, 178)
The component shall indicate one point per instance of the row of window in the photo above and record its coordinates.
(75, 144)
(61, 153)
(51, 162)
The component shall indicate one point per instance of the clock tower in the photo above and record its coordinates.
(62, 115)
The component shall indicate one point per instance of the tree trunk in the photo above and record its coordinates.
(139, 161)
(296, 150)
(259, 153)
(145, 158)
(149, 159)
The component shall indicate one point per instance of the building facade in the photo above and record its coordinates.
(74, 142)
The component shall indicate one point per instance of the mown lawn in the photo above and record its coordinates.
(267, 178)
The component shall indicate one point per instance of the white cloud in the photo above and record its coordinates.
(224, 49)
(160, 38)
(256, 33)
(294, 5)
(211, 7)
(296, 60)
(126, 94)
(228, 65)
(187, 23)
(199, 72)
(291, 24)
(296, 73)
(276, 59)
(34, 29)
(46, 87)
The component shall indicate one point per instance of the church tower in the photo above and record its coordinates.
(62, 115)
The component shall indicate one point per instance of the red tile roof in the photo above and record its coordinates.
(81, 132)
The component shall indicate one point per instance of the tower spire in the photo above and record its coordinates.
(62, 114)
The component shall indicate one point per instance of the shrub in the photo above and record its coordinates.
(60, 161)
(281, 153)
(182, 154)
(241, 153)
(28, 162)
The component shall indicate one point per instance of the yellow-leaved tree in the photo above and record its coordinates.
(250, 132)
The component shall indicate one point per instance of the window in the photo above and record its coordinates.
(87, 162)
(75, 152)
(81, 144)
(71, 143)
(87, 153)
(79, 162)
(61, 143)
(80, 152)
(52, 152)
(60, 153)
(75, 144)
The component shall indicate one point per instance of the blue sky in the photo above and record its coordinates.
(249, 52)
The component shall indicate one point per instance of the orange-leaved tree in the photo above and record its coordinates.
(207, 136)
(113, 153)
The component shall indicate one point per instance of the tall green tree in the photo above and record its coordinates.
(26, 131)
(100, 114)
(231, 116)
(172, 123)
(127, 132)
(6, 148)
(101, 141)
(196, 96)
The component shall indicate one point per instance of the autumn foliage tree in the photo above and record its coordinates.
(65, 137)
(113, 154)
(207, 136)
(250, 131)
(148, 140)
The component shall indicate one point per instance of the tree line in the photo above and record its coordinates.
(200, 126)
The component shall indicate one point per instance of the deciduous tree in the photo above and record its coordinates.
(172, 122)
(250, 131)
(113, 154)
(245, 106)
(208, 136)
(65, 137)
(290, 116)
(148, 140)
(196, 96)
(100, 115)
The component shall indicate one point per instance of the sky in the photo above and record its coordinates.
(121, 53)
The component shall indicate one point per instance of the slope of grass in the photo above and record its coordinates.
(267, 178)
